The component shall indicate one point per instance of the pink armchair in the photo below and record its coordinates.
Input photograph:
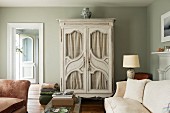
(13, 96)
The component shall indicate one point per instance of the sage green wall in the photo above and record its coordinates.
(130, 34)
(154, 12)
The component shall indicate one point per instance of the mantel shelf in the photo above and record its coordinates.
(167, 53)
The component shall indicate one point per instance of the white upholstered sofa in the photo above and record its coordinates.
(129, 98)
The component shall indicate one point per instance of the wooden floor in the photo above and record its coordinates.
(87, 106)
(92, 105)
(33, 99)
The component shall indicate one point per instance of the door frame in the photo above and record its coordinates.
(11, 27)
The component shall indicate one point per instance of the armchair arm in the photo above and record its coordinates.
(15, 89)
(121, 87)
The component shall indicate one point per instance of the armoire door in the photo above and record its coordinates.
(74, 68)
(99, 60)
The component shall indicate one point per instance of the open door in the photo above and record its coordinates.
(26, 58)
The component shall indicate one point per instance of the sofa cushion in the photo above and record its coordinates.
(120, 90)
(123, 105)
(9, 105)
(157, 96)
(135, 89)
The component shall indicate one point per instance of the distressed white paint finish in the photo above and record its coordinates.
(86, 62)
(164, 65)
(72, 3)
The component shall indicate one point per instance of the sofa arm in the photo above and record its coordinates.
(15, 89)
(121, 87)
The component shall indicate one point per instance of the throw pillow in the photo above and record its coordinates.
(135, 89)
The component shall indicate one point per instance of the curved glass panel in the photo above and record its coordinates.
(74, 81)
(73, 44)
(99, 44)
(27, 46)
(98, 81)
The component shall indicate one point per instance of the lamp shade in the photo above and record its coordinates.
(131, 61)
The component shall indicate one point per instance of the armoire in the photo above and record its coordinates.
(86, 62)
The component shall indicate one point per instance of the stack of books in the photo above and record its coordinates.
(63, 98)
(65, 94)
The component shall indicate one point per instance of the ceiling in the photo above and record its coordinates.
(73, 3)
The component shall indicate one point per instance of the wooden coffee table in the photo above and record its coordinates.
(49, 107)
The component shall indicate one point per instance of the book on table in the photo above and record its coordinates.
(66, 94)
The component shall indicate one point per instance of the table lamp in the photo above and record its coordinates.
(131, 62)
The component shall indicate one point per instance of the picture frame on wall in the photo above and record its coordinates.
(165, 27)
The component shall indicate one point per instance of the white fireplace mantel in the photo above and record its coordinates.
(164, 65)
(162, 53)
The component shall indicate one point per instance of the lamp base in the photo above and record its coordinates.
(131, 73)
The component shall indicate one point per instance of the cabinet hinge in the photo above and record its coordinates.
(61, 35)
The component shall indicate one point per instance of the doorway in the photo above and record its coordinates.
(25, 52)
